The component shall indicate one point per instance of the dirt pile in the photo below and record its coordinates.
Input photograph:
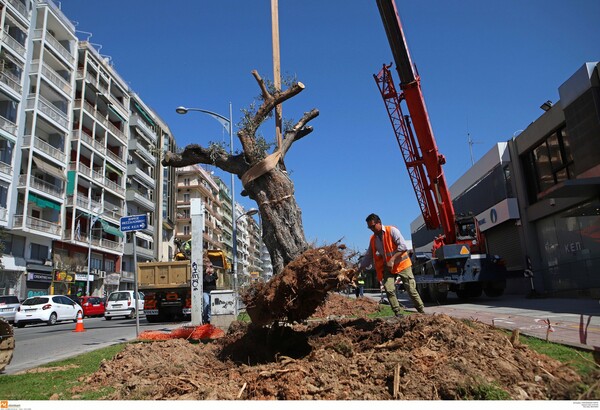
(416, 357)
(302, 286)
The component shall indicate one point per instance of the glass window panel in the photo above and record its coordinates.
(543, 169)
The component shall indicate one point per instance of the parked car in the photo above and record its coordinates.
(47, 309)
(8, 307)
(122, 303)
(92, 306)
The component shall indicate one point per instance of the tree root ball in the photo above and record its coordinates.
(296, 293)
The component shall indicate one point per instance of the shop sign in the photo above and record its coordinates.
(62, 276)
(83, 277)
(39, 276)
(112, 279)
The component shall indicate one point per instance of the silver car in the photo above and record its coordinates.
(8, 307)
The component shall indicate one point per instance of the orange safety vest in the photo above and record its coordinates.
(389, 247)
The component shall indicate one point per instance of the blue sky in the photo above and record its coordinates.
(486, 67)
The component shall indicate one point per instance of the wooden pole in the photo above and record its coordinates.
(276, 67)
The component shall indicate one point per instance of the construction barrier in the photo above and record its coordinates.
(195, 333)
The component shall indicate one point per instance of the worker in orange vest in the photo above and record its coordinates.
(388, 252)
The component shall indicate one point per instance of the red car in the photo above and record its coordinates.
(92, 306)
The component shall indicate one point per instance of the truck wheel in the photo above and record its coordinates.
(475, 290)
(462, 294)
(152, 318)
(493, 292)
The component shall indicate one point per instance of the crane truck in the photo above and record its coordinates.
(459, 261)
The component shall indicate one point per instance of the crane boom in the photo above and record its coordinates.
(419, 148)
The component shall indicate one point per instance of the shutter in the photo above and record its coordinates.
(504, 240)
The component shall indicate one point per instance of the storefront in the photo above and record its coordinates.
(38, 281)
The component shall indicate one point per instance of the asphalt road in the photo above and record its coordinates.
(39, 344)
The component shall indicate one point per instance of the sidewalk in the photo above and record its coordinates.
(573, 322)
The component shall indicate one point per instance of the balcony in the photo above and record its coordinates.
(140, 251)
(120, 161)
(139, 149)
(52, 76)
(117, 133)
(8, 126)
(48, 109)
(79, 135)
(127, 276)
(113, 186)
(135, 170)
(20, 8)
(44, 147)
(41, 186)
(14, 44)
(35, 224)
(137, 121)
(55, 44)
(104, 243)
(5, 169)
(139, 198)
(11, 81)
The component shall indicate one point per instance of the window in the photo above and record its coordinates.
(549, 163)
(186, 197)
(186, 229)
(186, 181)
(39, 252)
(109, 265)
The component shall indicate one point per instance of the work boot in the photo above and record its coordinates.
(398, 314)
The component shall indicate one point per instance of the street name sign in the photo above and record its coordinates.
(133, 223)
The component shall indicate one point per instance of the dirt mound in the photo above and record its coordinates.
(302, 286)
(416, 357)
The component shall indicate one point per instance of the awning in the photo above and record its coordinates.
(113, 169)
(42, 202)
(45, 167)
(33, 267)
(110, 107)
(144, 236)
(144, 113)
(108, 228)
(12, 263)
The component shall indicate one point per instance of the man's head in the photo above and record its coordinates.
(374, 223)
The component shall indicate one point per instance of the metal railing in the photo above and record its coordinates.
(20, 7)
(5, 168)
(115, 157)
(41, 185)
(14, 44)
(8, 126)
(11, 81)
(49, 109)
(44, 147)
(36, 224)
(52, 76)
(60, 49)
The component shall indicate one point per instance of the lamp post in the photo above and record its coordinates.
(89, 268)
(227, 123)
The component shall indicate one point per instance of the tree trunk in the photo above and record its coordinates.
(263, 176)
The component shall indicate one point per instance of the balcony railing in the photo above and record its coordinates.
(14, 44)
(21, 221)
(98, 242)
(113, 186)
(115, 158)
(44, 147)
(11, 81)
(49, 109)
(60, 49)
(20, 7)
(52, 76)
(5, 168)
(41, 185)
(8, 126)
(117, 132)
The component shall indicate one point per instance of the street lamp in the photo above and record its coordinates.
(92, 223)
(227, 123)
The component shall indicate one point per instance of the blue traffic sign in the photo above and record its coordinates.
(133, 223)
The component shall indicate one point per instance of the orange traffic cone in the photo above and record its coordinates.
(79, 325)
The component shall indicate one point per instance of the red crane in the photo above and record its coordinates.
(417, 143)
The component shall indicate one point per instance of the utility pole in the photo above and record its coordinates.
(276, 67)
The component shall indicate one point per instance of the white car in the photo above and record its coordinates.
(122, 303)
(47, 309)
(8, 307)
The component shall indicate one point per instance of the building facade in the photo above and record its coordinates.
(536, 196)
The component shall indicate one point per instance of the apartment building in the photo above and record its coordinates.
(254, 251)
(78, 151)
(194, 181)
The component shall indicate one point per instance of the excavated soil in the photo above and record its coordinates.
(315, 344)
(416, 357)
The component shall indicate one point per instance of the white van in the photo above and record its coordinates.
(122, 303)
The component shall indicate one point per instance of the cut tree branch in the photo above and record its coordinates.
(194, 154)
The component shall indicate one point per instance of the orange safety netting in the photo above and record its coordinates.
(202, 332)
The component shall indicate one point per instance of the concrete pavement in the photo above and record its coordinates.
(573, 322)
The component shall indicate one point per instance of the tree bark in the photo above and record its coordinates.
(263, 176)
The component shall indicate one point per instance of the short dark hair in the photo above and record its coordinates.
(373, 218)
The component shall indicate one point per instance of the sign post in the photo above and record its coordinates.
(133, 223)
(196, 282)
